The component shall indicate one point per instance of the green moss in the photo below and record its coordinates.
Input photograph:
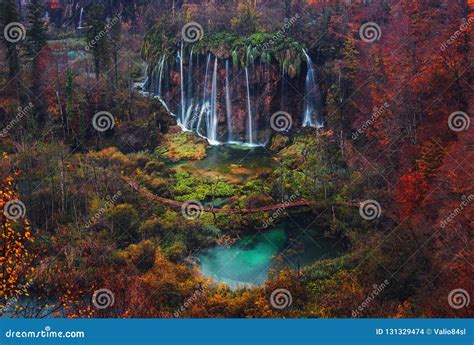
(187, 187)
(181, 146)
(243, 50)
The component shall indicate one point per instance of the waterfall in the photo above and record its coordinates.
(181, 77)
(160, 74)
(188, 83)
(205, 103)
(80, 19)
(189, 96)
(228, 103)
(312, 98)
(249, 110)
(211, 125)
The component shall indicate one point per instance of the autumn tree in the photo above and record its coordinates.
(10, 15)
(97, 38)
(35, 42)
(16, 257)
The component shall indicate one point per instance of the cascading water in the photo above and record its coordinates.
(211, 125)
(312, 98)
(79, 26)
(189, 85)
(182, 110)
(205, 99)
(249, 110)
(189, 96)
(228, 104)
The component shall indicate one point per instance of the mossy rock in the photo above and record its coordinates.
(181, 146)
(279, 142)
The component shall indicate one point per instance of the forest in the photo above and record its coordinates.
(236, 159)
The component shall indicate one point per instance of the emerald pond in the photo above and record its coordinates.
(249, 261)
